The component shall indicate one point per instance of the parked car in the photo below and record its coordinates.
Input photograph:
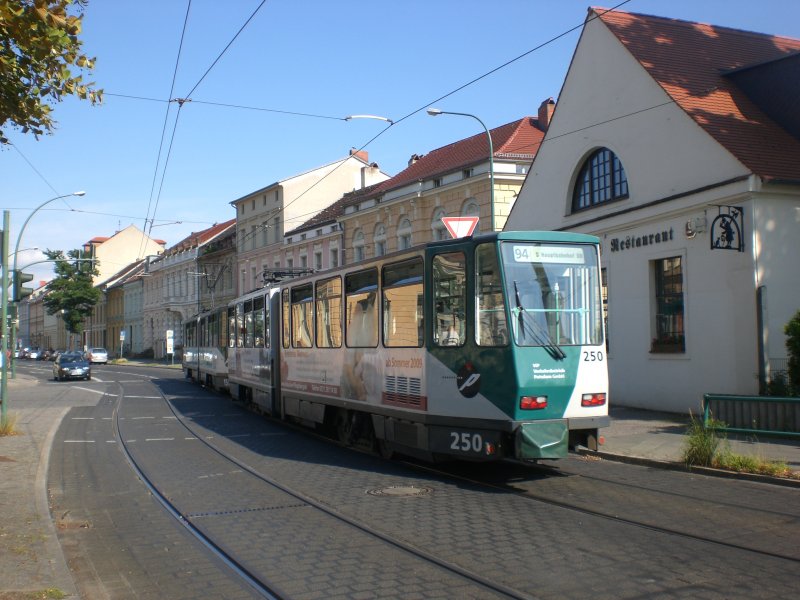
(71, 365)
(33, 354)
(98, 355)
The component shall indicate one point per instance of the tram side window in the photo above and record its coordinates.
(231, 327)
(329, 313)
(240, 331)
(361, 311)
(449, 299)
(402, 305)
(302, 316)
(202, 333)
(490, 324)
(286, 328)
(266, 327)
(249, 325)
(190, 333)
(258, 322)
(213, 330)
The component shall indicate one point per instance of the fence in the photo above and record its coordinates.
(770, 415)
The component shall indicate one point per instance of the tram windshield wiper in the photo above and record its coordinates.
(538, 333)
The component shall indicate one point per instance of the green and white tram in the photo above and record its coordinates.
(477, 348)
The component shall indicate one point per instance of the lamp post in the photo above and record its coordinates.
(435, 112)
(16, 253)
(376, 117)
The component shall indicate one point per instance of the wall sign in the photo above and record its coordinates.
(637, 241)
(727, 228)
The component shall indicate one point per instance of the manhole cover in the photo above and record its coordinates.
(400, 490)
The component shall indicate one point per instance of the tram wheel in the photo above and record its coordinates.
(344, 427)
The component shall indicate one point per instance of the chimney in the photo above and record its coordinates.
(546, 110)
(362, 154)
(414, 158)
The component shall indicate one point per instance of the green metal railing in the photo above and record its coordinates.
(767, 415)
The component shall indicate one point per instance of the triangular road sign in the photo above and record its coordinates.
(460, 226)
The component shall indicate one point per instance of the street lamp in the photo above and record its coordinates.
(435, 112)
(351, 117)
(16, 253)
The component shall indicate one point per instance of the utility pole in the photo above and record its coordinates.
(4, 320)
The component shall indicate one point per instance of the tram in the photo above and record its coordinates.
(478, 348)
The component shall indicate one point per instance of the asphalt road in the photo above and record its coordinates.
(255, 488)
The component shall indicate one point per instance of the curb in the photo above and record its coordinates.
(677, 466)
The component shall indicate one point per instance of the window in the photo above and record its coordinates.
(604, 295)
(404, 234)
(438, 230)
(490, 324)
(449, 299)
(302, 316)
(249, 325)
(472, 209)
(466, 173)
(669, 332)
(402, 305)
(361, 310)
(318, 260)
(259, 333)
(601, 179)
(358, 245)
(285, 309)
(380, 239)
(334, 258)
(329, 313)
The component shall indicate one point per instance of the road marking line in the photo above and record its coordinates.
(190, 438)
(135, 418)
(79, 441)
(146, 397)
(111, 441)
(159, 439)
(89, 390)
(83, 418)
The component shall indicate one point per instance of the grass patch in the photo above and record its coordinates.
(47, 594)
(8, 425)
(709, 447)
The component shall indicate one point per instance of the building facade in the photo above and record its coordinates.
(665, 145)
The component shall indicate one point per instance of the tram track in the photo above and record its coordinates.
(260, 583)
(615, 516)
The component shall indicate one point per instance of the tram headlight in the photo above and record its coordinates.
(593, 400)
(533, 402)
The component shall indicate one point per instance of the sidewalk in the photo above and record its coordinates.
(31, 559)
(649, 437)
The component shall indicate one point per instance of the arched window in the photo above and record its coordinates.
(601, 179)
(438, 230)
(380, 239)
(358, 245)
(472, 209)
(404, 234)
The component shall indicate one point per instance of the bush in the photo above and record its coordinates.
(701, 442)
(792, 331)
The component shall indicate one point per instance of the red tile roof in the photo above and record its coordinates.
(199, 238)
(514, 141)
(518, 139)
(689, 61)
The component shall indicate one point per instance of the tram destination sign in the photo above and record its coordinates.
(549, 254)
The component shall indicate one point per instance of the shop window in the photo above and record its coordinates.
(669, 320)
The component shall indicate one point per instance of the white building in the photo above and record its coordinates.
(263, 216)
(678, 144)
(172, 288)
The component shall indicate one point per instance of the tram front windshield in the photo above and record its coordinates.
(553, 293)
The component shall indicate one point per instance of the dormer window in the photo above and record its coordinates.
(601, 179)
(437, 182)
(466, 173)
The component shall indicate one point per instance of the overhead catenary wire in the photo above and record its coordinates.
(145, 230)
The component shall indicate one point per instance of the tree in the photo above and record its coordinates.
(38, 46)
(792, 331)
(72, 291)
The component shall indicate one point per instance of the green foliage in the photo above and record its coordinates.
(72, 291)
(792, 331)
(702, 442)
(39, 50)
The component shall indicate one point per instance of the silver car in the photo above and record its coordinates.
(98, 355)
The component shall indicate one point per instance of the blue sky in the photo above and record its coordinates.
(323, 59)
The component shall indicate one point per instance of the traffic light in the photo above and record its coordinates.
(21, 292)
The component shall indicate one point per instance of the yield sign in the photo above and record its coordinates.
(460, 226)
